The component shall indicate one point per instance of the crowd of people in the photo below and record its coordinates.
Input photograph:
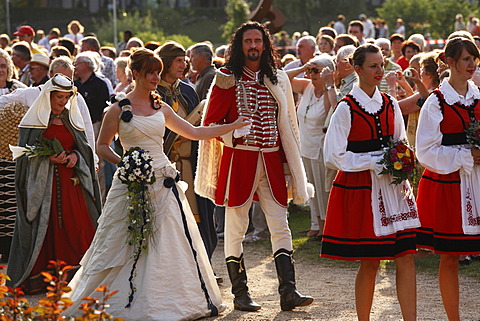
(249, 127)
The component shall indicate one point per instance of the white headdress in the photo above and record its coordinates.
(38, 115)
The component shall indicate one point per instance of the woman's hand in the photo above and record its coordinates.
(327, 77)
(415, 76)
(242, 127)
(59, 159)
(391, 79)
(72, 159)
(242, 121)
(476, 155)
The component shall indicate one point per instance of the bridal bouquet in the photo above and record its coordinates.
(136, 171)
(399, 161)
(473, 133)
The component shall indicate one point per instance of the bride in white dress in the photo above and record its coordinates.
(174, 279)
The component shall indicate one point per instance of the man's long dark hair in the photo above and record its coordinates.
(269, 60)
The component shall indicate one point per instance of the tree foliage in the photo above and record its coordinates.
(143, 24)
(237, 12)
(436, 17)
(313, 14)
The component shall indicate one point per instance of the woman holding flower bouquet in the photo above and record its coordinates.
(371, 214)
(448, 141)
(147, 245)
(56, 188)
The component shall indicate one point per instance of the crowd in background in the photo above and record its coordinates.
(320, 68)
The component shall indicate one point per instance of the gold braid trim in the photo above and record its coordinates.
(224, 80)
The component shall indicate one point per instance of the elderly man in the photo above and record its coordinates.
(108, 66)
(21, 55)
(201, 60)
(96, 94)
(306, 48)
(39, 69)
(254, 161)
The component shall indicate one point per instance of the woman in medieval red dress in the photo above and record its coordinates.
(58, 203)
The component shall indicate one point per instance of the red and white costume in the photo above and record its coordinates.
(230, 171)
(448, 193)
(360, 128)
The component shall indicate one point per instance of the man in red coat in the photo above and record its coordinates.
(254, 162)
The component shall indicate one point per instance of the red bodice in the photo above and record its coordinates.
(370, 132)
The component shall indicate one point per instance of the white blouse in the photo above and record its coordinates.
(430, 151)
(311, 117)
(335, 148)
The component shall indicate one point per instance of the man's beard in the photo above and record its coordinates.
(252, 57)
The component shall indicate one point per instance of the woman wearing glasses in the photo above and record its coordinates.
(316, 101)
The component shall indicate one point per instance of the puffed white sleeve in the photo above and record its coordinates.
(430, 151)
(335, 148)
(18, 95)
(82, 106)
(399, 129)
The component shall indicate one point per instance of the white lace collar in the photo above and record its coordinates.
(451, 96)
(369, 104)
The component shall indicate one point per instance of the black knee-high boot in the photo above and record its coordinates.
(289, 296)
(238, 277)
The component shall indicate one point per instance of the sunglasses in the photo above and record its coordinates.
(313, 70)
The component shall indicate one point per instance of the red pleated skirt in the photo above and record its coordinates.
(440, 213)
(349, 233)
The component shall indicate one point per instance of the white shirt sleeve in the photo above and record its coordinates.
(20, 95)
(399, 129)
(430, 151)
(82, 106)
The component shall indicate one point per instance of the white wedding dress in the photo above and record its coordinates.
(174, 279)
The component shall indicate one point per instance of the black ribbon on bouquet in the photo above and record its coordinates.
(169, 182)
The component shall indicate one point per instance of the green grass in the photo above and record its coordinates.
(299, 219)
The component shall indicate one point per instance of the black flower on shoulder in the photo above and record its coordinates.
(126, 115)
(126, 110)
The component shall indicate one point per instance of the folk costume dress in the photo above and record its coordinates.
(58, 207)
(448, 192)
(367, 217)
(174, 279)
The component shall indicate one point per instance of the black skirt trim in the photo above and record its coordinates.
(376, 249)
(448, 243)
(440, 180)
(352, 187)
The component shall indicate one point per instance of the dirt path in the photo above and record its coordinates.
(332, 287)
